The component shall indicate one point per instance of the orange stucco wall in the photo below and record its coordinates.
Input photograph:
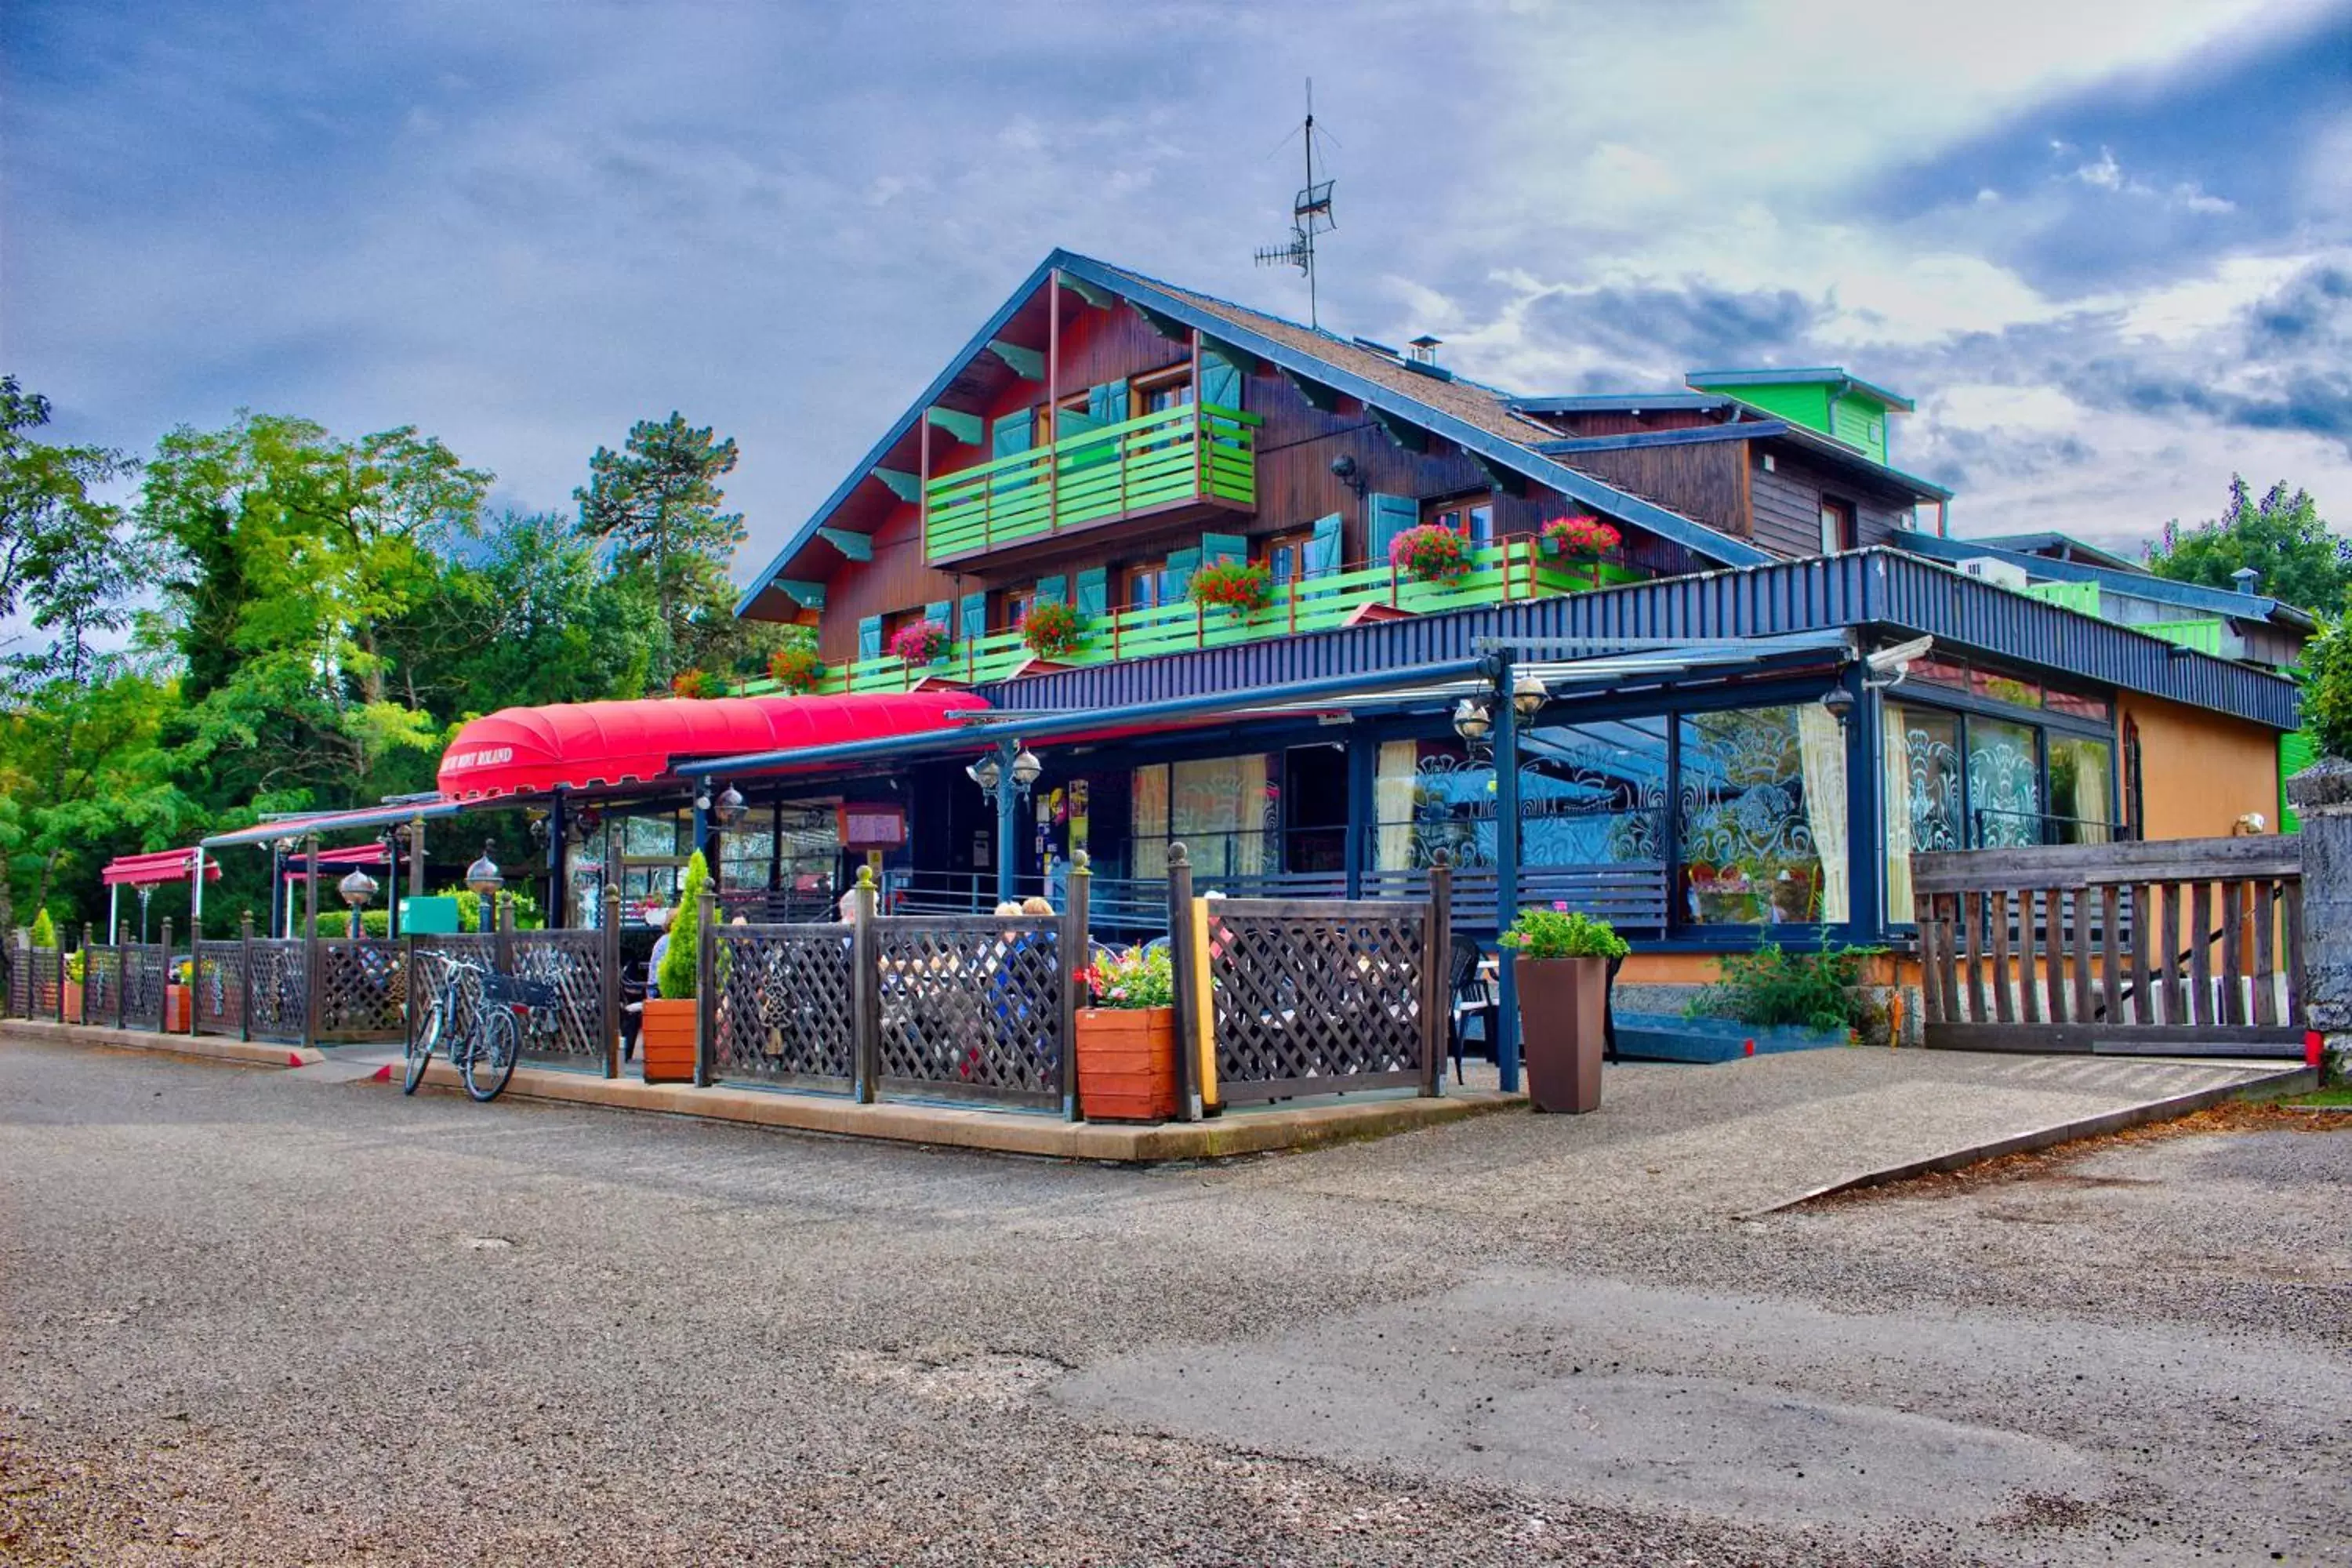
(2199, 772)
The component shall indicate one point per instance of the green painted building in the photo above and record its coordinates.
(1827, 399)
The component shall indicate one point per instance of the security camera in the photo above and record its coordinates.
(1890, 665)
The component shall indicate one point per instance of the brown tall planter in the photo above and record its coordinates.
(1561, 1030)
(666, 1039)
(175, 1009)
(1126, 1063)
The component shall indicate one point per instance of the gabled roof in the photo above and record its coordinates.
(2194, 596)
(1828, 448)
(1477, 418)
(1622, 403)
(1709, 380)
(2068, 548)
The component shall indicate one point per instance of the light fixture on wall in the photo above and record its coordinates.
(1344, 469)
(727, 810)
(1528, 695)
(1839, 702)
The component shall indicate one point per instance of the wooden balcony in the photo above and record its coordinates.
(1516, 568)
(1191, 456)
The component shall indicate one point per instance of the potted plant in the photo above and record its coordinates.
(1561, 970)
(1235, 585)
(75, 970)
(1579, 538)
(1053, 630)
(796, 670)
(1126, 1040)
(1429, 553)
(176, 992)
(916, 645)
(667, 1030)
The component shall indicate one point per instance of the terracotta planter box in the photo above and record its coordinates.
(1561, 1032)
(73, 1001)
(1126, 1063)
(175, 1009)
(666, 1039)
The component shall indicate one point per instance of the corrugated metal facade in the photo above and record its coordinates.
(1870, 587)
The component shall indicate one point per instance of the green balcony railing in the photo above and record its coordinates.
(1515, 569)
(1185, 454)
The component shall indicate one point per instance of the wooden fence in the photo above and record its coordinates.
(2180, 946)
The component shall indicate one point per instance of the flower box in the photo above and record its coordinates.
(666, 1039)
(1126, 1063)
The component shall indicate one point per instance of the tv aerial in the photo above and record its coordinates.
(1310, 214)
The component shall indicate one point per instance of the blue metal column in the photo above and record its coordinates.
(1008, 822)
(1507, 873)
(1363, 820)
(1865, 812)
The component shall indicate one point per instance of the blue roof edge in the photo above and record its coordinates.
(2164, 590)
(1669, 525)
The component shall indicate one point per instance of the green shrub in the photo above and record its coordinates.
(2327, 691)
(44, 930)
(677, 965)
(77, 966)
(1561, 932)
(1771, 988)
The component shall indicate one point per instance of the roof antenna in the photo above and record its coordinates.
(1310, 214)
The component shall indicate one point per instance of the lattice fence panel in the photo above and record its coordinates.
(146, 970)
(45, 974)
(363, 989)
(276, 979)
(431, 974)
(972, 1007)
(573, 963)
(102, 984)
(784, 1007)
(20, 982)
(219, 1001)
(1313, 1004)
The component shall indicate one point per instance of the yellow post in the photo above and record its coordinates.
(1204, 1008)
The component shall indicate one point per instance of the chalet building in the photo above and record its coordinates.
(1728, 715)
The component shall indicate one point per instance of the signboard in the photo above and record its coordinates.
(882, 827)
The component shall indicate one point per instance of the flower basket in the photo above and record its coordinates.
(796, 670)
(1233, 586)
(697, 683)
(1127, 1042)
(918, 644)
(1429, 553)
(1579, 538)
(1052, 630)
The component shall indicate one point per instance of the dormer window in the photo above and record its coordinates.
(1472, 516)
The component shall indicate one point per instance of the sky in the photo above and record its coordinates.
(2106, 246)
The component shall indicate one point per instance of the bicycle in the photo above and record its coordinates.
(505, 1009)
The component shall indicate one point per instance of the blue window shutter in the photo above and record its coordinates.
(936, 612)
(1053, 590)
(869, 637)
(1094, 591)
(1221, 381)
(1106, 404)
(975, 617)
(1323, 547)
(1012, 433)
(1390, 515)
(1220, 547)
(1182, 564)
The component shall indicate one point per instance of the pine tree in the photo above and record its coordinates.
(678, 967)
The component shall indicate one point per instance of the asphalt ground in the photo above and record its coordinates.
(250, 1319)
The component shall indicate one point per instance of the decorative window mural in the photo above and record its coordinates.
(1762, 800)
(2004, 785)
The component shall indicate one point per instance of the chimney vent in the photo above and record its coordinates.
(2245, 577)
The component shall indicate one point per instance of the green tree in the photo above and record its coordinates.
(657, 503)
(2282, 537)
(678, 964)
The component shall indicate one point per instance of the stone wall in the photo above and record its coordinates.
(2321, 796)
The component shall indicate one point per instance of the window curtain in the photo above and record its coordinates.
(1895, 749)
(2091, 803)
(1216, 809)
(1148, 822)
(1392, 802)
(1821, 743)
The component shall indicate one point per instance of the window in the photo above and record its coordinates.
(1155, 394)
(1837, 526)
(1473, 517)
(2004, 785)
(898, 621)
(1285, 554)
(1012, 605)
(1148, 585)
(1763, 817)
(2082, 807)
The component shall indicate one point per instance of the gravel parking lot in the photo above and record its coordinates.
(254, 1320)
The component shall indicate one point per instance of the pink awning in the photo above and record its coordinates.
(156, 869)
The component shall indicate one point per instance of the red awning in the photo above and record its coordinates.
(351, 855)
(154, 869)
(588, 744)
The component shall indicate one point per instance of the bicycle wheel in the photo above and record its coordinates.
(492, 1061)
(420, 1046)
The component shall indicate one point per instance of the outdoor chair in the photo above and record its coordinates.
(1470, 999)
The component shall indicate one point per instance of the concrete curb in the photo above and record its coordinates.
(189, 1047)
(1234, 1134)
(2286, 1081)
